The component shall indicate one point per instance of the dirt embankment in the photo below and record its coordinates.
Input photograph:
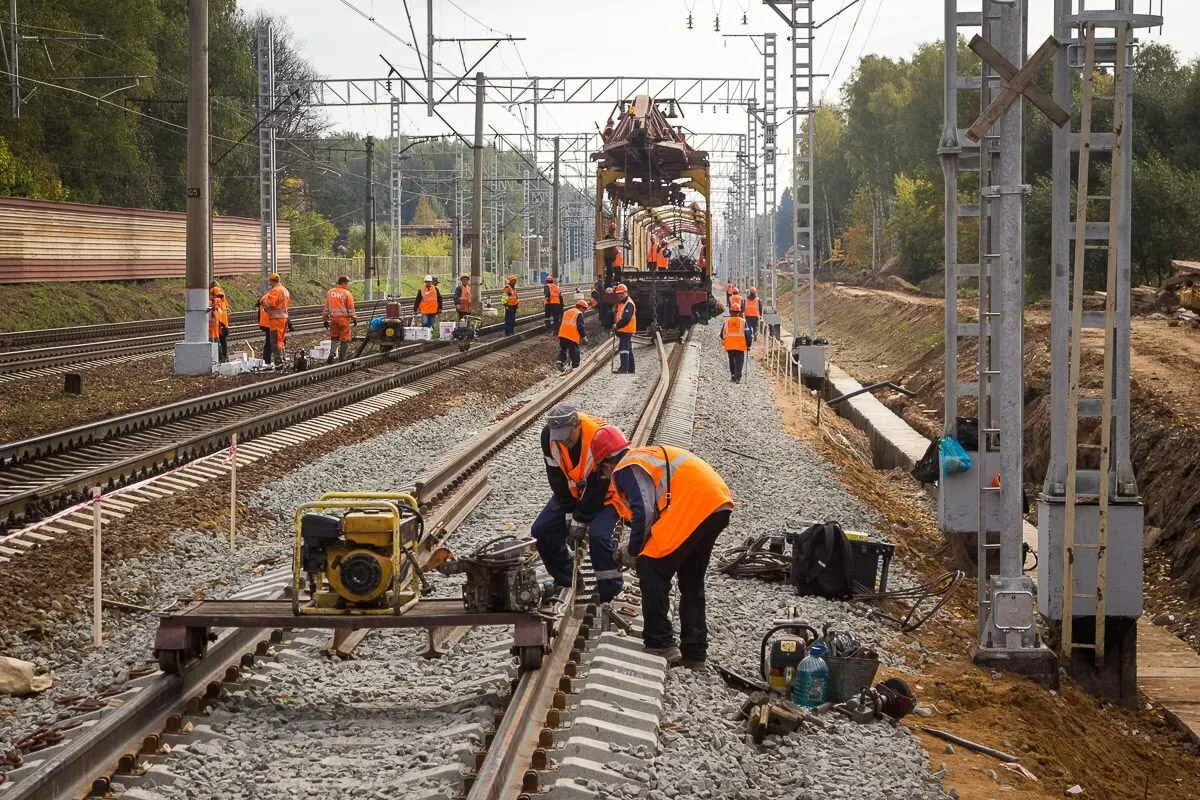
(890, 335)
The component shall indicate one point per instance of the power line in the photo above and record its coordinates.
(845, 49)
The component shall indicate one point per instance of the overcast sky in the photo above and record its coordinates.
(625, 37)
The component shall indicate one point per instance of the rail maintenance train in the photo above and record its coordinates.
(653, 227)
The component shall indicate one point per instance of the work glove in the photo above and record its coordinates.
(626, 559)
(576, 533)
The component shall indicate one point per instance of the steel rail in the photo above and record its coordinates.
(506, 769)
(17, 504)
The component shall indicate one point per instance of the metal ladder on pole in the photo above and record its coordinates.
(769, 155)
(1090, 406)
(395, 276)
(752, 193)
(266, 150)
(802, 159)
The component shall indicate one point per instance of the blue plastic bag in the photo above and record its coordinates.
(954, 458)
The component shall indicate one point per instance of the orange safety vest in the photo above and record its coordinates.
(429, 300)
(276, 302)
(733, 333)
(219, 315)
(661, 258)
(652, 256)
(510, 297)
(560, 455)
(568, 329)
(631, 326)
(752, 307)
(619, 261)
(686, 491)
(735, 301)
(555, 297)
(464, 298)
(339, 304)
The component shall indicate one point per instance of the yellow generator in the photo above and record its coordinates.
(355, 553)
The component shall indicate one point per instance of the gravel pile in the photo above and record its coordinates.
(705, 751)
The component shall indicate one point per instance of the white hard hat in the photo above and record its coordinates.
(429, 279)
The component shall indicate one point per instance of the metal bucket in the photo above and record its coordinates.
(849, 676)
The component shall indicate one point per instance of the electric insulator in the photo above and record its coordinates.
(744, 20)
(690, 22)
(717, 24)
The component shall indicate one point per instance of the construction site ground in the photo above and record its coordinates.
(884, 334)
(1065, 738)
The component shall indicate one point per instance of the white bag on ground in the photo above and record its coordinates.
(17, 678)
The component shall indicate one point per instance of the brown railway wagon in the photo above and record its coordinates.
(46, 241)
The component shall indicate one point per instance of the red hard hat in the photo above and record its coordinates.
(608, 441)
(549, 279)
(753, 290)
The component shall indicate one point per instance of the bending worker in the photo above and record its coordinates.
(675, 505)
(462, 296)
(625, 322)
(752, 307)
(552, 306)
(273, 318)
(573, 444)
(218, 320)
(511, 302)
(338, 315)
(571, 334)
(428, 302)
(735, 336)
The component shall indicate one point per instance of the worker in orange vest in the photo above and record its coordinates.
(571, 334)
(674, 506)
(625, 323)
(735, 299)
(218, 320)
(752, 308)
(273, 318)
(462, 296)
(428, 302)
(728, 292)
(552, 305)
(573, 445)
(735, 336)
(511, 303)
(338, 315)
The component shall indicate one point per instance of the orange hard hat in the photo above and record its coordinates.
(734, 305)
(581, 304)
(753, 290)
(622, 289)
(549, 279)
(608, 441)
(274, 276)
(512, 278)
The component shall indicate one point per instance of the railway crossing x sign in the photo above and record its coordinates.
(1017, 82)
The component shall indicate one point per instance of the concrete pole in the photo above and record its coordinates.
(195, 354)
(14, 67)
(369, 223)
(555, 234)
(477, 196)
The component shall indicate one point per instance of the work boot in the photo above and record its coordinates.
(671, 654)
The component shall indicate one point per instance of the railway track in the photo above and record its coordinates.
(48, 352)
(150, 709)
(49, 472)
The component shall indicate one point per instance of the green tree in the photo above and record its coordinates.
(915, 227)
(424, 213)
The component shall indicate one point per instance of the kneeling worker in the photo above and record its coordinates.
(573, 444)
(735, 336)
(674, 505)
(571, 334)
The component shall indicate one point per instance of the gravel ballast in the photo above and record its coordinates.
(706, 753)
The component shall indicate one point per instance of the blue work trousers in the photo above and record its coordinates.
(550, 531)
(625, 349)
(428, 320)
(752, 328)
(510, 320)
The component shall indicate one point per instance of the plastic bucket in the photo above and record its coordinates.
(849, 676)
